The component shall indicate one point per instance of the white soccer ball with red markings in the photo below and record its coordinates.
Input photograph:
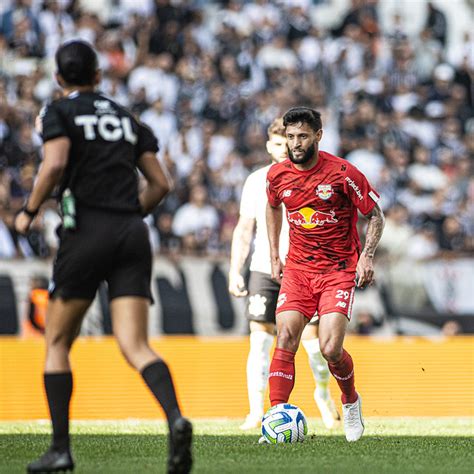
(284, 423)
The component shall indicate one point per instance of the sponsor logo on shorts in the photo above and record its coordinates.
(342, 304)
(356, 188)
(281, 299)
(309, 218)
(281, 374)
(257, 305)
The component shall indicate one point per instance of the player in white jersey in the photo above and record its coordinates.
(263, 291)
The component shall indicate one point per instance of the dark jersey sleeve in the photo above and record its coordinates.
(52, 124)
(146, 141)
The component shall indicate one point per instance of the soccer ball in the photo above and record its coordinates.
(284, 423)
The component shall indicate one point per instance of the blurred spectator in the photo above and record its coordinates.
(37, 306)
(163, 123)
(7, 240)
(397, 233)
(423, 244)
(196, 221)
(20, 27)
(436, 22)
(169, 242)
(56, 25)
(426, 175)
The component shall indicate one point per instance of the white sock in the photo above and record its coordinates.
(258, 363)
(319, 367)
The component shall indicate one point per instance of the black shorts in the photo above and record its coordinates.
(106, 246)
(262, 298)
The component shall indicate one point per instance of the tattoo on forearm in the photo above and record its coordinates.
(374, 231)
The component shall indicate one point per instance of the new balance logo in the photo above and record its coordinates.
(342, 304)
(287, 193)
(281, 374)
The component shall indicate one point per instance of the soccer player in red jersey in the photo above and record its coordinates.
(322, 195)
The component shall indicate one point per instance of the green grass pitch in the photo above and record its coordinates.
(391, 445)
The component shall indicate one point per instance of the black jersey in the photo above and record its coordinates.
(106, 142)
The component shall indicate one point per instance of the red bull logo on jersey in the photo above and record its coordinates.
(324, 191)
(309, 218)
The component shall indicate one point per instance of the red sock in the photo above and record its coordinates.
(282, 376)
(343, 371)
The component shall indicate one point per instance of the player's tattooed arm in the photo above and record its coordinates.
(365, 265)
(241, 241)
(374, 230)
(274, 217)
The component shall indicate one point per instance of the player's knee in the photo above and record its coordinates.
(331, 351)
(134, 352)
(128, 351)
(59, 341)
(287, 340)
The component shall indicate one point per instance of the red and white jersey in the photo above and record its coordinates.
(321, 208)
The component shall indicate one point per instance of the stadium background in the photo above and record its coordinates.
(394, 83)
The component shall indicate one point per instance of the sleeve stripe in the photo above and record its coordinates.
(374, 196)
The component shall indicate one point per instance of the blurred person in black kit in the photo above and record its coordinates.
(436, 22)
(92, 149)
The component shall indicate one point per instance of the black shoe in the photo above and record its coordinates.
(180, 439)
(52, 461)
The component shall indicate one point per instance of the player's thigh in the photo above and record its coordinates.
(296, 294)
(63, 320)
(130, 320)
(261, 302)
(332, 330)
(79, 263)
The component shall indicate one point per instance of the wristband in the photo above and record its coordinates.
(31, 214)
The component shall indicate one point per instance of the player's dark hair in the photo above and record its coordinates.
(77, 63)
(303, 115)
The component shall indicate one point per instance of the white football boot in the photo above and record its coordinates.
(328, 410)
(353, 421)
(251, 422)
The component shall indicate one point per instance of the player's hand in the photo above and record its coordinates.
(277, 269)
(365, 270)
(237, 285)
(22, 223)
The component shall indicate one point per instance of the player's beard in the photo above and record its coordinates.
(309, 153)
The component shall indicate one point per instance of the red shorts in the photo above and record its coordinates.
(316, 294)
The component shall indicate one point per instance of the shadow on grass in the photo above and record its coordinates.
(140, 453)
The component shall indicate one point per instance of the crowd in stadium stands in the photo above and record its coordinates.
(209, 77)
